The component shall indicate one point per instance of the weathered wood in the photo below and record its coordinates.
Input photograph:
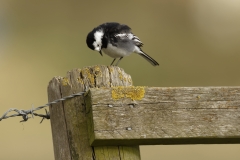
(154, 115)
(69, 118)
(115, 152)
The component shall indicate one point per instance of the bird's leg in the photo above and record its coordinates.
(119, 60)
(112, 61)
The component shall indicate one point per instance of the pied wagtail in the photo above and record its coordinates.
(117, 41)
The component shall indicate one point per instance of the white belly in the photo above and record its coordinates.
(115, 52)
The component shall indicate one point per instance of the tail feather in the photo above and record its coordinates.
(149, 59)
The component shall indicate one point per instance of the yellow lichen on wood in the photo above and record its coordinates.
(90, 76)
(129, 79)
(120, 74)
(97, 71)
(110, 69)
(65, 81)
(79, 79)
(134, 93)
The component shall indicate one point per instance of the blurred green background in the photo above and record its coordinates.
(196, 42)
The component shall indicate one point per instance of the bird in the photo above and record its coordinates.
(117, 41)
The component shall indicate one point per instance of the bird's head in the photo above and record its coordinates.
(95, 40)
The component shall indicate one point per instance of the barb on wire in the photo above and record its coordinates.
(24, 113)
(46, 116)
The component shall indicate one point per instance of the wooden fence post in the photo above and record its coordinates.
(69, 118)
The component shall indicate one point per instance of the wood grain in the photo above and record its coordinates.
(184, 115)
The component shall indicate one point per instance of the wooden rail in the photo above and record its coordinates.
(164, 115)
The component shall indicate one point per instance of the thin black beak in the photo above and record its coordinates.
(100, 52)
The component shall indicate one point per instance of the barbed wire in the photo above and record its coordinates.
(25, 113)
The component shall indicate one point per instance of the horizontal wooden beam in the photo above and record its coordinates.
(163, 115)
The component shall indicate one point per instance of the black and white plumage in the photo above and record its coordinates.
(117, 41)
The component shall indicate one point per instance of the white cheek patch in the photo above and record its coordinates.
(96, 47)
(98, 38)
(95, 44)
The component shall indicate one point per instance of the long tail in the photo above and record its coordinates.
(148, 58)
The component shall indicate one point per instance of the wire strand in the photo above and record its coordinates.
(24, 113)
